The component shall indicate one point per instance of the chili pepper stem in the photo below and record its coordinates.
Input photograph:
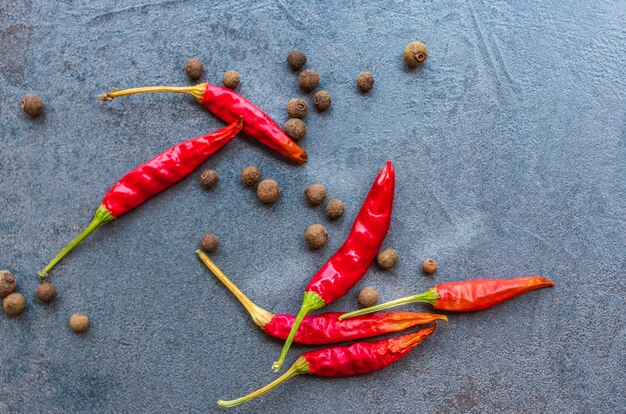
(430, 296)
(197, 91)
(312, 301)
(301, 366)
(260, 316)
(102, 216)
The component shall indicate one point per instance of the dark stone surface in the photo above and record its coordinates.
(509, 147)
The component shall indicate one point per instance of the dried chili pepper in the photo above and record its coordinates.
(467, 296)
(228, 106)
(323, 328)
(149, 179)
(351, 261)
(342, 361)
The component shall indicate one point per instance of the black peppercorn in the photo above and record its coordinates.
(209, 242)
(322, 100)
(194, 69)
(209, 178)
(231, 79)
(315, 194)
(415, 53)
(308, 80)
(334, 209)
(250, 175)
(316, 236)
(32, 105)
(296, 59)
(295, 128)
(268, 191)
(46, 292)
(365, 81)
(8, 283)
(297, 108)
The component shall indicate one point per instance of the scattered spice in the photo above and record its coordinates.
(322, 100)
(295, 128)
(46, 292)
(429, 266)
(209, 178)
(194, 68)
(250, 175)
(14, 304)
(316, 236)
(368, 296)
(8, 283)
(209, 242)
(415, 53)
(387, 258)
(296, 59)
(315, 194)
(365, 81)
(297, 108)
(334, 209)
(231, 79)
(268, 191)
(79, 322)
(32, 105)
(308, 80)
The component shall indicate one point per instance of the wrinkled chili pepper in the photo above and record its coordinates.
(228, 105)
(351, 261)
(342, 361)
(149, 179)
(323, 328)
(467, 296)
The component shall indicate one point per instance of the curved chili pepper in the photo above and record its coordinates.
(149, 179)
(467, 296)
(342, 361)
(323, 328)
(228, 105)
(351, 261)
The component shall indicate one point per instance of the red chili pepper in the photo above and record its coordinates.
(149, 179)
(342, 361)
(467, 296)
(351, 261)
(228, 106)
(324, 328)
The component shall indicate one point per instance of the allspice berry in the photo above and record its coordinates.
(334, 209)
(387, 258)
(365, 81)
(209, 178)
(8, 283)
(315, 194)
(231, 79)
(295, 128)
(79, 322)
(250, 175)
(194, 69)
(46, 292)
(415, 53)
(268, 191)
(14, 304)
(296, 59)
(297, 108)
(209, 242)
(32, 105)
(308, 80)
(322, 100)
(316, 236)
(429, 266)
(368, 296)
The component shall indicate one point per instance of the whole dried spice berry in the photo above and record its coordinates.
(315, 194)
(334, 209)
(194, 69)
(415, 53)
(308, 80)
(79, 322)
(8, 283)
(209, 178)
(250, 175)
(209, 242)
(387, 258)
(231, 79)
(46, 292)
(297, 108)
(296, 59)
(14, 304)
(316, 236)
(295, 128)
(365, 81)
(429, 266)
(322, 100)
(368, 296)
(268, 191)
(32, 105)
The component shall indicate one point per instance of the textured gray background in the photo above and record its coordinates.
(509, 147)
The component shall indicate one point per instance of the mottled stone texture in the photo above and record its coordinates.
(509, 146)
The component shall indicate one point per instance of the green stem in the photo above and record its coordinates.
(312, 301)
(102, 216)
(430, 296)
(301, 366)
(197, 91)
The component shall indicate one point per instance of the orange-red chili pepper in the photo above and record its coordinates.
(351, 261)
(324, 328)
(341, 361)
(228, 105)
(466, 296)
(149, 179)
